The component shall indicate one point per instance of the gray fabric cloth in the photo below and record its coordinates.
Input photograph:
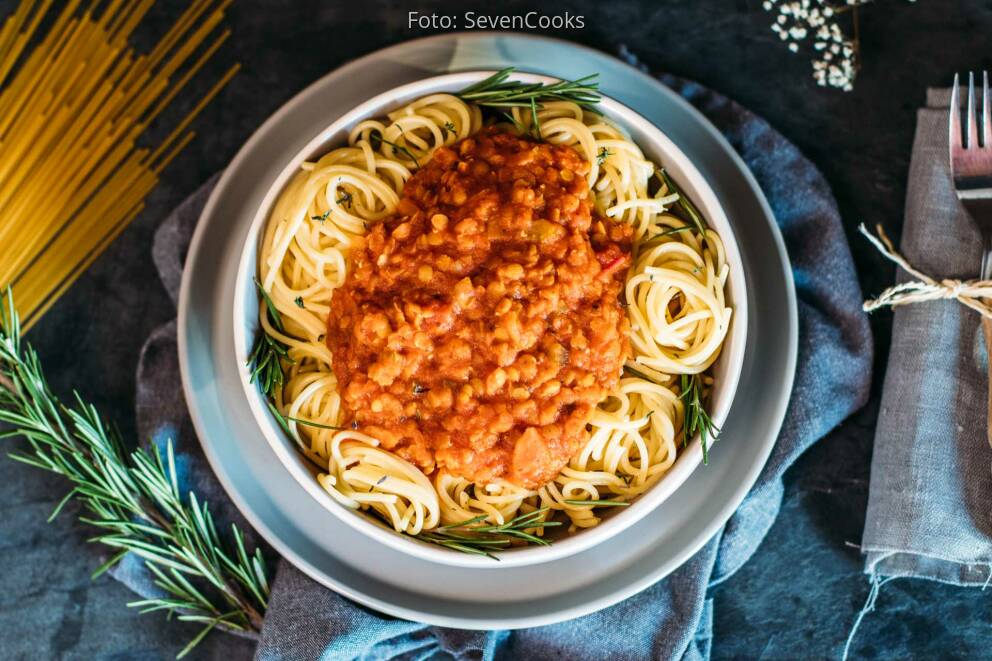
(929, 497)
(671, 619)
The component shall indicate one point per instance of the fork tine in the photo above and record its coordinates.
(955, 118)
(986, 112)
(972, 137)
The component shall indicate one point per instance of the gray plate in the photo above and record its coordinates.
(383, 578)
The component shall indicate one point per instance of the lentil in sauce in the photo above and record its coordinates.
(480, 326)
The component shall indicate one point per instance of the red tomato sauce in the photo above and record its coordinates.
(480, 326)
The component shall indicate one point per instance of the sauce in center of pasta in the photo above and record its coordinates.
(480, 326)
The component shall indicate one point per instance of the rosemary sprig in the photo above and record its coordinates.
(684, 204)
(267, 354)
(469, 537)
(132, 498)
(696, 420)
(498, 91)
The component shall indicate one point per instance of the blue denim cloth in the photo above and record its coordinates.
(670, 620)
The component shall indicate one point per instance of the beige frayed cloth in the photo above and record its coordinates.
(967, 292)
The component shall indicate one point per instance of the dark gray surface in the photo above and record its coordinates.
(799, 594)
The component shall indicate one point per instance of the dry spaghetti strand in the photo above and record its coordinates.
(73, 107)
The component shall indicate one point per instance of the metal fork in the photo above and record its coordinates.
(971, 163)
(971, 168)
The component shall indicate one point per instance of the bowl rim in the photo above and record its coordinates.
(296, 464)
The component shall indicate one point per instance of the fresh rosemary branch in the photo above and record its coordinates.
(469, 537)
(267, 354)
(132, 498)
(696, 420)
(498, 91)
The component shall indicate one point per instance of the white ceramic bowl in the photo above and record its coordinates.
(657, 147)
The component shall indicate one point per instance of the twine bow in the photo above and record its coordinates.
(969, 292)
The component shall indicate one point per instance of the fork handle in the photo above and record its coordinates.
(987, 330)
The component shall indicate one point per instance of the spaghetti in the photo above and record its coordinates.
(71, 174)
(674, 292)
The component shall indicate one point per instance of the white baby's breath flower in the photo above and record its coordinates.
(836, 54)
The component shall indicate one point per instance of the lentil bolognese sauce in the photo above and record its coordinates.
(480, 326)
(441, 328)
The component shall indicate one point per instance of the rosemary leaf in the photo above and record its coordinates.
(283, 420)
(684, 203)
(376, 140)
(311, 423)
(598, 503)
(273, 312)
(463, 524)
(535, 122)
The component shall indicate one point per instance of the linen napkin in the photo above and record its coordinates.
(928, 500)
(669, 620)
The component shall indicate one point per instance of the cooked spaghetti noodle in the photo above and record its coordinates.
(678, 317)
(71, 174)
